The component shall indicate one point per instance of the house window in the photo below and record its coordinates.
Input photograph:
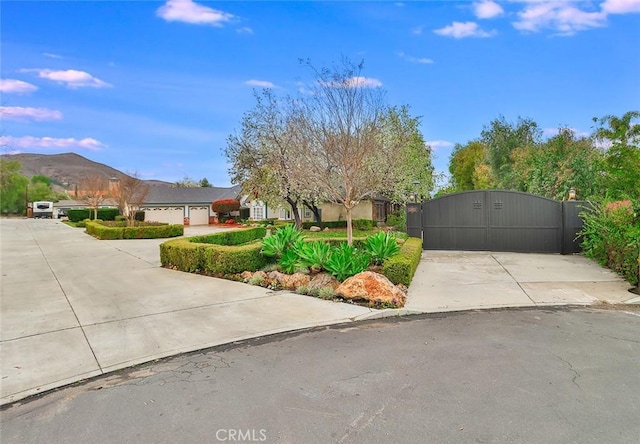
(307, 213)
(258, 212)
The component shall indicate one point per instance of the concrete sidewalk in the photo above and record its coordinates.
(74, 307)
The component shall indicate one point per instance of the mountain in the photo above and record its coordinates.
(66, 170)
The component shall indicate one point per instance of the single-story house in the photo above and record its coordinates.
(188, 206)
(377, 208)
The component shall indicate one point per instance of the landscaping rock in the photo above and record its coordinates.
(246, 275)
(290, 281)
(372, 287)
(261, 274)
(326, 229)
(314, 228)
(323, 280)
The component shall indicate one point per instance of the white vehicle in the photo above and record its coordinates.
(43, 210)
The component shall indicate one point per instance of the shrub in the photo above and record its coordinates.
(279, 242)
(611, 236)
(401, 267)
(230, 221)
(364, 224)
(155, 231)
(235, 237)
(82, 214)
(346, 261)
(225, 205)
(189, 256)
(289, 261)
(325, 293)
(398, 220)
(139, 216)
(120, 218)
(314, 254)
(381, 246)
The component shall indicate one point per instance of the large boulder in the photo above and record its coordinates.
(372, 287)
(313, 228)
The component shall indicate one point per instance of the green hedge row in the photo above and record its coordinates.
(358, 224)
(104, 232)
(185, 255)
(236, 237)
(103, 214)
(400, 268)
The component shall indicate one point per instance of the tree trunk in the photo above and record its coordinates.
(314, 209)
(95, 213)
(296, 213)
(349, 226)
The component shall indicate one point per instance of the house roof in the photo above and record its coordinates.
(162, 195)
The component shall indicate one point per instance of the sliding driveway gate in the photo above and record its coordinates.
(494, 220)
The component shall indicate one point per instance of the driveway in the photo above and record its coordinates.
(74, 307)
(508, 376)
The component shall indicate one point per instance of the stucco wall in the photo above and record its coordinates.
(331, 212)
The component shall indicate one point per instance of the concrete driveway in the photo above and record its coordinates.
(74, 307)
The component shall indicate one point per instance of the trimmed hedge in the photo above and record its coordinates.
(235, 237)
(100, 231)
(401, 267)
(357, 224)
(103, 214)
(358, 242)
(185, 255)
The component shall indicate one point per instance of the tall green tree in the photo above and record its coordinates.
(465, 166)
(502, 138)
(622, 163)
(13, 188)
(415, 167)
(557, 165)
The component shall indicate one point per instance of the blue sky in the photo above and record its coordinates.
(156, 87)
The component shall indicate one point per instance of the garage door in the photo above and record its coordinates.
(198, 215)
(167, 215)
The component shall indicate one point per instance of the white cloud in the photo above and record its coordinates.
(563, 17)
(460, 30)
(26, 113)
(420, 60)
(365, 82)
(29, 142)
(189, 12)
(52, 56)
(260, 83)
(487, 9)
(244, 30)
(620, 6)
(71, 78)
(435, 144)
(16, 86)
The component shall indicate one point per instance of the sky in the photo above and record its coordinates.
(157, 87)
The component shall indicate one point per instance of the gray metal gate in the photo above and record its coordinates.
(495, 220)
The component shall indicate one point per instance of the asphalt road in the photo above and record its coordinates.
(512, 376)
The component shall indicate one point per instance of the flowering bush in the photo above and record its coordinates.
(229, 222)
(225, 205)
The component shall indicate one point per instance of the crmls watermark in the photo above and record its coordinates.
(241, 435)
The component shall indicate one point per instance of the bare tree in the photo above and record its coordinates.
(346, 143)
(94, 190)
(131, 194)
(262, 155)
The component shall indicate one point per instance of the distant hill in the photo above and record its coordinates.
(66, 170)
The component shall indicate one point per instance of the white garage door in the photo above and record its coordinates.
(198, 216)
(167, 215)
